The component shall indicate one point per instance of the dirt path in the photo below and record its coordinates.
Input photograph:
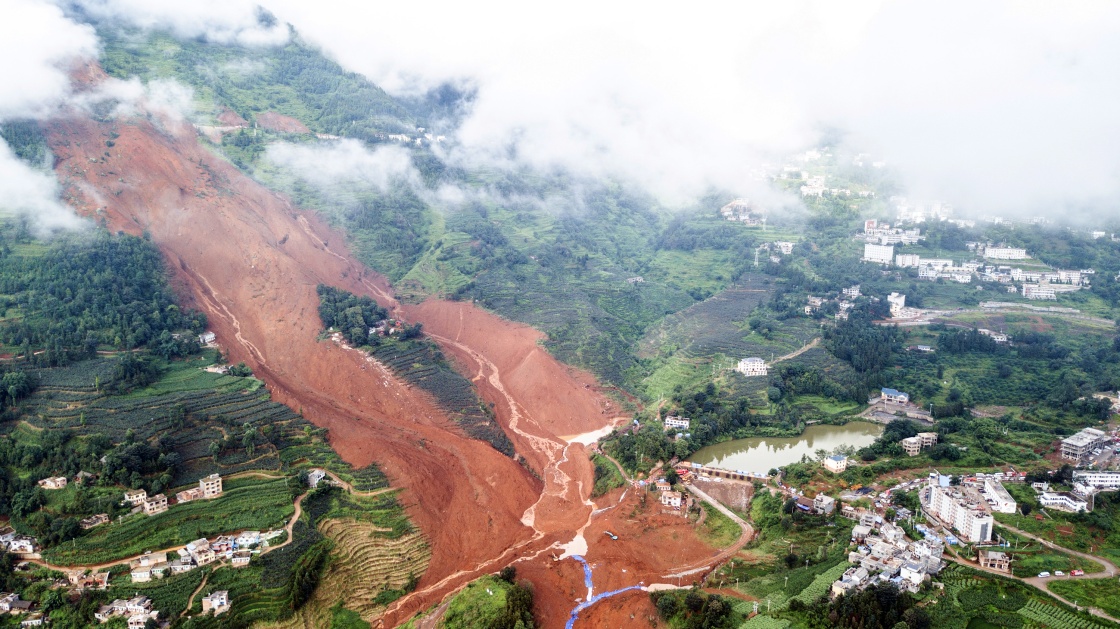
(190, 601)
(746, 536)
(618, 465)
(808, 346)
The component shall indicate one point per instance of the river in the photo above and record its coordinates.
(761, 454)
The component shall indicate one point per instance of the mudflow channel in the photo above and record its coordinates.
(251, 262)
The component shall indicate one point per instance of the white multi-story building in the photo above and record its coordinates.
(836, 463)
(674, 421)
(1005, 253)
(211, 486)
(997, 496)
(851, 291)
(1100, 480)
(971, 522)
(908, 260)
(897, 303)
(879, 254)
(1039, 291)
(752, 367)
(1063, 501)
(1079, 446)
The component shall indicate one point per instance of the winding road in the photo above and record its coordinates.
(727, 553)
(1041, 583)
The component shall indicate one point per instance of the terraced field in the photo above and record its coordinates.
(368, 571)
(191, 408)
(705, 341)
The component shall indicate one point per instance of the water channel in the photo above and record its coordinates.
(761, 454)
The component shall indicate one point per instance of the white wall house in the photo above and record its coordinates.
(752, 367)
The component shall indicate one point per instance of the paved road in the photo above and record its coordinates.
(1033, 581)
(1110, 569)
(1041, 583)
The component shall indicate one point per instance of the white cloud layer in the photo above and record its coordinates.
(994, 105)
(344, 163)
(33, 193)
(221, 21)
(38, 45)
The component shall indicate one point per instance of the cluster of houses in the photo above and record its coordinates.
(847, 296)
(386, 327)
(1034, 284)
(820, 505)
(11, 604)
(236, 549)
(884, 555)
(673, 500)
(137, 610)
(743, 211)
(208, 488)
(875, 232)
(17, 544)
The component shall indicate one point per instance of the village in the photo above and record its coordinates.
(234, 550)
(893, 544)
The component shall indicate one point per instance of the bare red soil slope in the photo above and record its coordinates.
(252, 263)
(279, 122)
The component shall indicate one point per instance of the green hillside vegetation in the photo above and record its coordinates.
(491, 602)
(1099, 593)
(295, 80)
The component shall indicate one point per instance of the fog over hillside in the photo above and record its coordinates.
(997, 107)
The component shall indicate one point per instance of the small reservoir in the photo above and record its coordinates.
(761, 454)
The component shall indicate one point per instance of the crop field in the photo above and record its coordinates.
(368, 570)
(252, 504)
(1053, 617)
(706, 341)
(212, 407)
(977, 599)
(169, 595)
(1100, 593)
(822, 583)
(765, 622)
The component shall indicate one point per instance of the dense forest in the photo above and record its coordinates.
(89, 290)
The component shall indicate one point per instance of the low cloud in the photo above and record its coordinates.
(219, 21)
(345, 163)
(996, 107)
(33, 193)
(39, 46)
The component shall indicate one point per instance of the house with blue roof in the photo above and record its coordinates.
(892, 396)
